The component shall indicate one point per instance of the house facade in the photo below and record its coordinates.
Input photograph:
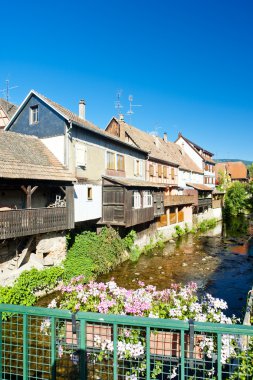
(201, 157)
(87, 151)
(36, 200)
(7, 110)
(162, 167)
(235, 170)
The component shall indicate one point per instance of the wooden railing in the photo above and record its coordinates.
(14, 223)
(205, 202)
(175, 200)
(138, 216)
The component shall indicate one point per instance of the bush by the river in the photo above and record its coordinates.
(238, 198)
(92, 254)
(23, 292)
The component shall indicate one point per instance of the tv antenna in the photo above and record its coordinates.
(6, 90)
(131, 105)
(117, 103)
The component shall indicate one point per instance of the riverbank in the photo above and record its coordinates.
(211, 259)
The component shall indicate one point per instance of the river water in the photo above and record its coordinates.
(220, 261)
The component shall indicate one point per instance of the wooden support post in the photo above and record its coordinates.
(29, 191)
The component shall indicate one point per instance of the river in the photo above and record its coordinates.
(220, 261)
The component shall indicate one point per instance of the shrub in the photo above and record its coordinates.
(24, 288)
(236, 199)
(179, 231)
(206, 224)
(95, 253)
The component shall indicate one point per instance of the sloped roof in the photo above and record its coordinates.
(134, 182)
(67, 114)
(7, 110)
(237, 170)
(198, 149)
(71, 117)
(26, 157)
(158, 148)
(199, 186)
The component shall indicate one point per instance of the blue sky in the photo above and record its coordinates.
(189, 63)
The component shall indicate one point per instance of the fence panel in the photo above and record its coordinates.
(40, 344)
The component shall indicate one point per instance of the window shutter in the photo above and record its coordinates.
(159, 170)
(81, 154)
(151, 170)
(135, 167)
(141, 168)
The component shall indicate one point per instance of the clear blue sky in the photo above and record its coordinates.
(188, 63)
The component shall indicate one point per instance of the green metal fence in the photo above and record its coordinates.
(38, 343)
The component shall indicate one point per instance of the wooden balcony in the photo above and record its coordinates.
(176, 200)
(138, 216)
(205, 202)
(16, 223)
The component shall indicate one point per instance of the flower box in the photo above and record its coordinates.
(167, 343)
(93, 331)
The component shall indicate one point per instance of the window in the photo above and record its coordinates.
(138, 168)
(110, 160)
(34, 114)
(151, 170)
(120, 162)
(147, 199)
(136, 199)
(164, 171)
(159, 170)
(172, 173)
(89, 193)
(115, 161)
(80, 155)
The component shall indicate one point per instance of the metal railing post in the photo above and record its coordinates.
(115, 351)
(83, 362)
(25, 347)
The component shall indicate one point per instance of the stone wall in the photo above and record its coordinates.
(51, 248)
(209, 214)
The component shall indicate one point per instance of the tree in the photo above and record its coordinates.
(224, 180)
(250, 169)
(236, 199)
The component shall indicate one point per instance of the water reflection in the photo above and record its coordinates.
(219, 261)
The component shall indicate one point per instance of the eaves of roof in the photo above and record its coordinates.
(199, 186)
(134, 182)
(70, 117)
(195, 146)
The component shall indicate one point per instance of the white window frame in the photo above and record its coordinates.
(147, 199)
(34, 114)
(89, 190)
(137, 199)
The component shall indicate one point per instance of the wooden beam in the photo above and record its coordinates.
(24, 189)
(34, 189)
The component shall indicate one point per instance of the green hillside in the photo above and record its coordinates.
(233, 160)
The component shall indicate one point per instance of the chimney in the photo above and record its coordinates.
(165, 137)
(121, 117)
(82, 109)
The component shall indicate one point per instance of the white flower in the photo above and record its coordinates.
(53, 304)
